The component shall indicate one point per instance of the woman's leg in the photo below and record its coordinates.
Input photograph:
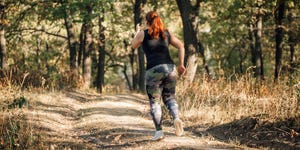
(153, 80)
(168, 93)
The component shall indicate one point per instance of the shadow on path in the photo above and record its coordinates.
(253, 132)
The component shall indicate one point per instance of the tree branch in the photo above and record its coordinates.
(40, 30)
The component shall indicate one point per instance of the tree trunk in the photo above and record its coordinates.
(37, 54)
(126, 44)
(101, 57)
(88, 46)
(252, 45)
(142, 70)
(259, 68)
(279, 15)
(132, 57)
(138, 6)
(189, 15)
(3, 62)
(126, 76)
(81, 48)
(72, 42)
(243, 56)
(292, 41)
(206, 58)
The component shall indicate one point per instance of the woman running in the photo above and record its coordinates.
(161, 71)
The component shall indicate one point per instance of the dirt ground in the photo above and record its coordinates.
(78, 120)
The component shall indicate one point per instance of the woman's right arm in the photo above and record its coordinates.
(138, 38)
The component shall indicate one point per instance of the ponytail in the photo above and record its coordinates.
(156, 25)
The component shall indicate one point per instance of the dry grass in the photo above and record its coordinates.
(220, 101)
(202, 102)
(16, 132)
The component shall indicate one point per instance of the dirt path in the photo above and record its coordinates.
(77, 120)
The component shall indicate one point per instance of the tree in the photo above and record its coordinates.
(87, 28)
(3, 23)
(189, 15)
(138, 6)
(102, 53)
(72, 40)
(292, 36)
(279, 16)
(256, 28)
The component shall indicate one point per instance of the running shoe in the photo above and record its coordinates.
(158, 135)
(178, 127)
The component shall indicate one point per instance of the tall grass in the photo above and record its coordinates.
(15, 130)
(224, 100)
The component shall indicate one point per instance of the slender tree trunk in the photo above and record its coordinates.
(87, 61)
(259, 68)
(132, 57)
(72, 42)
(206, 58)
(101, 57)
(3, 62)
(81, 48)
(189, 15)
(138, 6)
(46, 59)
(126, 44)
(142, 70)
(37, 54)
(292, 41)
(279, 16)
(88, 39)
(126, 77)
(243, 56)
(252, 45)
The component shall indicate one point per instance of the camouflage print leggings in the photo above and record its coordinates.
(160, 83)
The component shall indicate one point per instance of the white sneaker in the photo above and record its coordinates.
(158, 135)
(178, 127)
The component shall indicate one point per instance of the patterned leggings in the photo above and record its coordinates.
(161, 83)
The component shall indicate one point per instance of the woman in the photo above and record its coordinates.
(161, 72)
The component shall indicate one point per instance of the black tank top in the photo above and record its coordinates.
(156, 50)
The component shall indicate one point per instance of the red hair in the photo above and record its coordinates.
(156, 25)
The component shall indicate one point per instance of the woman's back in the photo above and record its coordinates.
(156, 50)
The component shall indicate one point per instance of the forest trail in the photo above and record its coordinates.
(77, 120)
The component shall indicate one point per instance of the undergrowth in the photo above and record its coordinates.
(219, 101)
(201, 102)
(16, 132)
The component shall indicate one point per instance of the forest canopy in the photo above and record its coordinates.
(86, 43)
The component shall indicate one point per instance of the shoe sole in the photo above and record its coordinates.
(161, 138)
(178, 128)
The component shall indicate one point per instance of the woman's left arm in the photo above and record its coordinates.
(179, 45)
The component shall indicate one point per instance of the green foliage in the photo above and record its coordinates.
(228, 38)
(18, 103)
(223, 30)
